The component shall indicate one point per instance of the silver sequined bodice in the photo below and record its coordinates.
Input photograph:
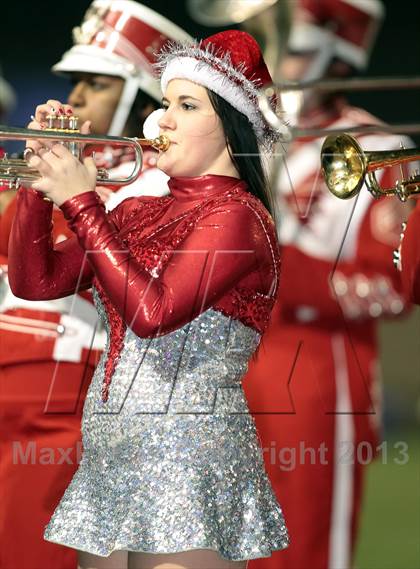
(195, 370)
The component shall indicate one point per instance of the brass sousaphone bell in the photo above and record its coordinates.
(346, 167)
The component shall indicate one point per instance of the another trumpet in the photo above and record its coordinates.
(346, 167)
(16, 172)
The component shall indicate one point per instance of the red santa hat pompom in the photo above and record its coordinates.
(231, 65)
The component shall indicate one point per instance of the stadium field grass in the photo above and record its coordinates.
(389, 535)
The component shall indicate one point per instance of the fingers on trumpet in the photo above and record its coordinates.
(52, 116)
(51, 113)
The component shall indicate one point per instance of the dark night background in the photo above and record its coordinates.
(35, 34)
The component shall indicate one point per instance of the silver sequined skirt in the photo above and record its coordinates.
(172, 461)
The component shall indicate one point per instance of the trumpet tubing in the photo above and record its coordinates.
(346, 167)
(16, 172)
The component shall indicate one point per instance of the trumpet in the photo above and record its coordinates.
(346, 167)
(16, 171)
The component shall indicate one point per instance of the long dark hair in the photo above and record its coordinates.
(243, 149)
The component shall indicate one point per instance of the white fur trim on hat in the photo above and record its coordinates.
(203, 74)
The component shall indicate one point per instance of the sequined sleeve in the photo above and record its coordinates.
(225, 246)
(39, 270)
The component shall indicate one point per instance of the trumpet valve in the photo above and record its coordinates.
(50, 121)
(102, 175)
(65, 124)
(73, 123)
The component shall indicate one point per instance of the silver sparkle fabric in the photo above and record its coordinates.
(172, 460)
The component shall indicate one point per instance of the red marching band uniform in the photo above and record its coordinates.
(48, 352)
(408, 256)
(49, 349)
(319, 413)
(320, 420)
(47, 358)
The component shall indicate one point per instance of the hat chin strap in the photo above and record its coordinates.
(125, 104)
(323, 57)
(316, 70)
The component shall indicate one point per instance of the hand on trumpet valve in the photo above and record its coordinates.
(55, 116)
(52, 114)
(63, 174)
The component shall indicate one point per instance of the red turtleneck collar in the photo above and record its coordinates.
(202, 187)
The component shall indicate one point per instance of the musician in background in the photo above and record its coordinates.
(48, 350)
(320, 422)
(407, 257)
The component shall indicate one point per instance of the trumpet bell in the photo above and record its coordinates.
(344, 165)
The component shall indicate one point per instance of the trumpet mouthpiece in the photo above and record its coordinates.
(161, 143)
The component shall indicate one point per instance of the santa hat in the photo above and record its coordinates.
(231, 65)
(345, 29)
(120, 38)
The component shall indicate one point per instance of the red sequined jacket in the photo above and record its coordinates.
(156, 262)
